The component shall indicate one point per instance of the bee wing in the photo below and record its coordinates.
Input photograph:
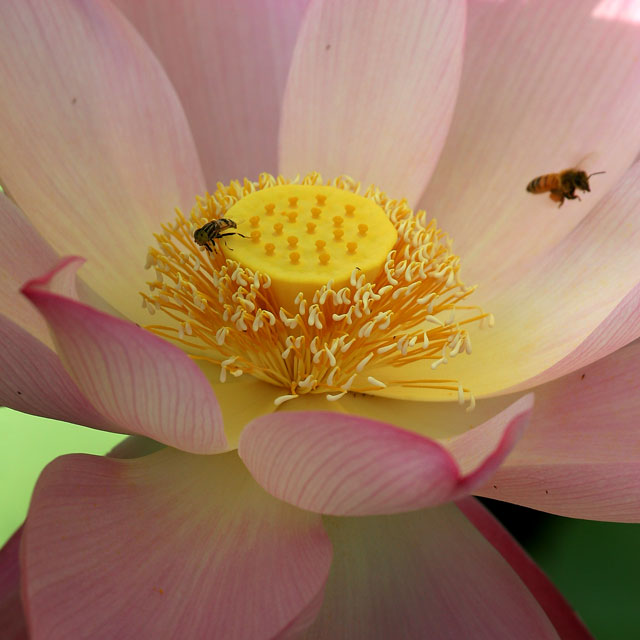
(587, 162)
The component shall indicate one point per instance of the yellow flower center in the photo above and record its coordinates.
(314, 288)
(305, 236)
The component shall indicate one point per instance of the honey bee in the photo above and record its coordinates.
(206, 235)
(562, 185)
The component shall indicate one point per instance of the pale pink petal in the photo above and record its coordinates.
(12, 619)
(371, 91)
(228, 62)
(581, 455)
(23, 255)
(545, 314)
(426, 574)
(169, 545)
(340, 464)
(33, 380)
(137, 380)
(558, 610)
(545, 86)
(618, 329)
(94, 145)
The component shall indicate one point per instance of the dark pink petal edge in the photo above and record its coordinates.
(137, 380)
(562, 616)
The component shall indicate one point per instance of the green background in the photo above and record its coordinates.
(595, 564)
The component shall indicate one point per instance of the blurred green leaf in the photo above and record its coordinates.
(27, 445)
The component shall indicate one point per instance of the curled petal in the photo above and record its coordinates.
(24, 254)
(340, 464)
(168, 545)
(135, 379)
(579, 458)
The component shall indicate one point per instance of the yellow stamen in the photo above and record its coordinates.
(330, 291)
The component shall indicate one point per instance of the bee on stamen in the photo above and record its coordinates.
(206, 235)
(562, 185)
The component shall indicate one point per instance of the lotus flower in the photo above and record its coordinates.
(299, 464)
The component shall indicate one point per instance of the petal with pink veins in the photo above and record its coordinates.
(94, 145)
(12, 619)
(426, 574)
(371, 91)
(342, 464)
(545, 314)
(229, 70)
(538, 95)
(33, 380)
(24, 254)
(618, 329)
(137, 380)
(581, 455)
(558, 610)
(167, 545)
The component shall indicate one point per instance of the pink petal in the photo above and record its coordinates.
(538, 95)
(618, 329)
(169, 545)
(23, 255)
(340, 464)
(426, 574)
(548, 312)
(12, 619)
(229, 71)
(95, 147)
(135, 379)
(33, 380)
(371, 91)
(579, 457)
(558, 610)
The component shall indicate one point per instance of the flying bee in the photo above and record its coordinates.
(562, 185)
(206, 235)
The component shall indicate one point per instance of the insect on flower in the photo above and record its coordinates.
(562, 185)
(206, 235)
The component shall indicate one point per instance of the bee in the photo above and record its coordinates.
(562, 185)
(206, 235)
